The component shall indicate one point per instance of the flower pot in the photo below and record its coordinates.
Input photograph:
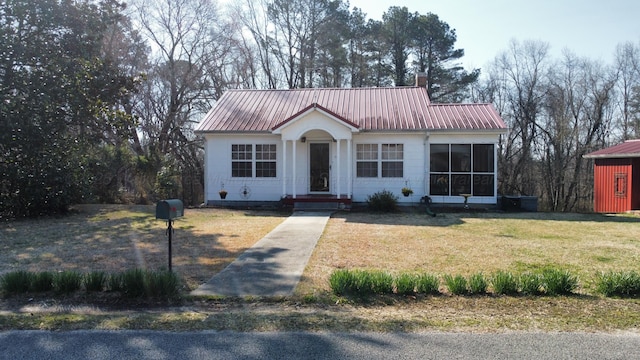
(223, 195)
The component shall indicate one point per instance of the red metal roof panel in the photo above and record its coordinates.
(629, 148)
(375, 109)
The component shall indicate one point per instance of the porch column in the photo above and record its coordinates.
(294, 181)
(284, 168)
(349, 166)
(338, 164)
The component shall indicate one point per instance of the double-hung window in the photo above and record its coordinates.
(266, 160)
(367, 160)
(250, 159)
(379, 160)
(241, 160)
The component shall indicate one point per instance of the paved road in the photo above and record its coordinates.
(297, 345)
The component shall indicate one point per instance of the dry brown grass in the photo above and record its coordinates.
(463, 243)
(115, 238)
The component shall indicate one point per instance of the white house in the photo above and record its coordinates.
(345, 144)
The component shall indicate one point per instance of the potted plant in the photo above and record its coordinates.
(406, 191)
(223, 194)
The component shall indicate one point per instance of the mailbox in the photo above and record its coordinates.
(169, 209)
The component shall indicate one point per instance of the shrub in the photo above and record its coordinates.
(428, 284)
(405, 284)
(622, 283)
(457, 285)
(384, 201)
(504, 283)
(133, 283)
(163, 284)
(16, 282)
(530, 283)
(558, 282)
(66, 282)
(478, 284)
(42, 281)
(95, 281)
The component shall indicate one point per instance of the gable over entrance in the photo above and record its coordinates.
(312, 118)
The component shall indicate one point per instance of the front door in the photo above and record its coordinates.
(319, 167)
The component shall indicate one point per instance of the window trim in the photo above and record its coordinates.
(254, 161)
(387, 157)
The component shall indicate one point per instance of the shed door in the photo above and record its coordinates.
(319, 167)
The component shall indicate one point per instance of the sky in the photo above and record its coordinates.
(484, 28)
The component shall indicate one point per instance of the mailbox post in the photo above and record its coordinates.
(169, 210)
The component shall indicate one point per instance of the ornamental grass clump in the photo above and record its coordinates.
(558, 282)
(16, 282)
(133, 283)
(66, 282)
(115, 282)
(530, 283)
(381, 282)
(504, 283)
(95, 281)
(618, 283)
(405, 284)
(162, 284)
(457, 285)
(342, 282)
(428, 284)
(42, 282)
(478, 284)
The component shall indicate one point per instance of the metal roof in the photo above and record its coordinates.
(368, 109)
(628, 149)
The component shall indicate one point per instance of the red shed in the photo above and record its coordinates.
(616, 180)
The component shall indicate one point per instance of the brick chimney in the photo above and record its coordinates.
(421, 79)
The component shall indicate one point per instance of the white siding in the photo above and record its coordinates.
(218, 170)
(415, 161)
(414, 167)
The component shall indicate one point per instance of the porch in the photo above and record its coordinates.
(317, 202)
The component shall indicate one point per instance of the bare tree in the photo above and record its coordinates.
(189, 70)
(577, 120)
(627, 62)
(518, 76)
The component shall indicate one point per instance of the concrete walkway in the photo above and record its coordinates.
(274, 265)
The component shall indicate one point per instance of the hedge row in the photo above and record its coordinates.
(547, 282)
(134, 283)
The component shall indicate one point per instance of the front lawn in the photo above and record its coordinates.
(116, 238)
(468, 243)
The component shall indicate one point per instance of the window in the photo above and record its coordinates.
(241, 156)
(620, 184)
(367, 160)
(375, 161)
(392, 155)
(244, 162)
(462, 169)
(266, 160)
